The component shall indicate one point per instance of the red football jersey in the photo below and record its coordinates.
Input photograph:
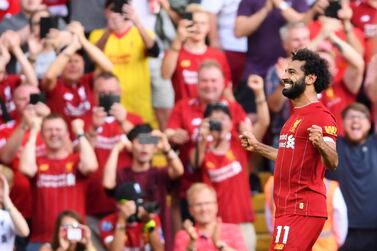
(21, 191)
(57, 186)
(228, 175)
(185, 77)
(7, 87)
(72, 100)
(97, 201)
(336, 98)
(299, 171)
(188, 115)
(365, 18)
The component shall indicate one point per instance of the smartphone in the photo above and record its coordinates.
(106, 101)
(74, 233)
(187, 16)
(215, 125)
(332, 9)
(147, 138)
(118, 5)
(37, 97)
(47, 23)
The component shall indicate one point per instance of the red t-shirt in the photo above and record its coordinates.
(365, 18)
(9, 7)
(21, 191)
(299, 171)
(97, 201)
(185, 77)
(7, 87)
(227, 174)
(136, 239)
(336, 98)
(72, 101)
(57, 186)
(188, 115)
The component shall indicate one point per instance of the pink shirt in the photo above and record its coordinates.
(229, 233)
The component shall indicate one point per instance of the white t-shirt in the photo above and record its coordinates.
(226, 11)
(7, 231)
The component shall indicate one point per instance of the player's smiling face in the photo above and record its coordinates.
(294, 80)
(356, 126)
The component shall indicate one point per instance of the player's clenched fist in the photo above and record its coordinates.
(248, 141)
(315, 135)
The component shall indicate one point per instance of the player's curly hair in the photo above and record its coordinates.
(315, 65)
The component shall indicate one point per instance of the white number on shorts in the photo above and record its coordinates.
(285, 236)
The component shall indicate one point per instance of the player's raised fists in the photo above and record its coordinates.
(315, 135)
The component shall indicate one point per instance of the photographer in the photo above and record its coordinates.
(224, 164)
(143, 144)
(132, 227)
(69, 234)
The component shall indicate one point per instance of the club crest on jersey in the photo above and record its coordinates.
(332, 130)
(295, 125)
(69, 166)
(43, 167)
(186, 63)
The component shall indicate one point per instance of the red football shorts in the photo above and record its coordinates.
(296, 232)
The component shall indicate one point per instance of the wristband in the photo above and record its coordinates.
(78, 136)
(149, 226)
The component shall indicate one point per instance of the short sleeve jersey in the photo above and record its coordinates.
(299, 170)
(57, 186)
(185, 77)
(97, 201)
(227, 174)
(72, 101)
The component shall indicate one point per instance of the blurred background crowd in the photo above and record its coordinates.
(119, 121)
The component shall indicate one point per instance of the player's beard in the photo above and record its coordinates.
(297, 88)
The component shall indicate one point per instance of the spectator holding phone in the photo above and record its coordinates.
(58, 177)
(128, 44)
(187, 52)
(10, 44)
(133, 226)
(70, 234)
(12, 221)
(143, 143)
(69, 90)
(110, 121)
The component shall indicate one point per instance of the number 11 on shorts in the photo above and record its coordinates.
(279, 229)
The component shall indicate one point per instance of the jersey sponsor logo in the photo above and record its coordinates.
(225, 172)
(186, 63)
(43, 167)
(56, 181)
(370, 30)
(332, 130)
(190, 77)
(103, 142)
(295, 125)
(287, 141)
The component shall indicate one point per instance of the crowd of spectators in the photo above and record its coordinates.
(119, 119)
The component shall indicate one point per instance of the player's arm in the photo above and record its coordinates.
(325, 145)
(250, 143)
(88, 161)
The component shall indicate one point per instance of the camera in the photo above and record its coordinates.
(73, 233)
(107, 100)
(215, 126)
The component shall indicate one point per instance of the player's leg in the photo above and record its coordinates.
(296, 232)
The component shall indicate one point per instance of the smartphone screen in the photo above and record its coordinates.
(147, 138)
(118, 5)
(332, 9)
(47, 23)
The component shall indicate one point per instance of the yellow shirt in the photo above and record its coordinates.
(128, 54)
